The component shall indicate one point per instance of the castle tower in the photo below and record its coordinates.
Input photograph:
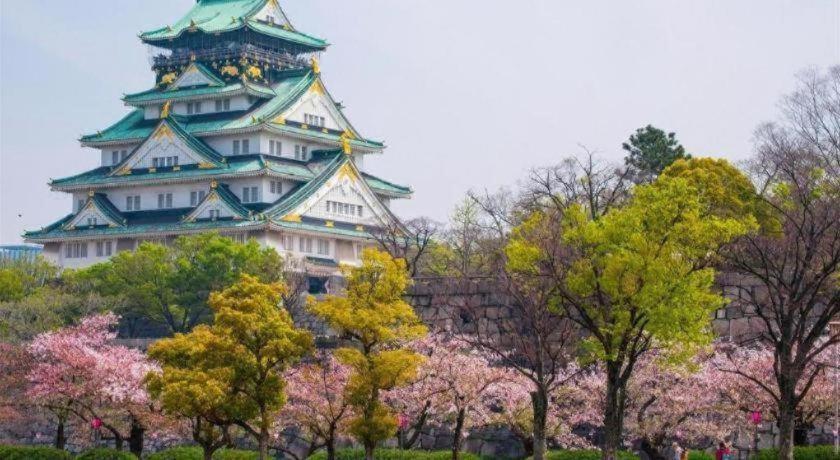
(239, 135)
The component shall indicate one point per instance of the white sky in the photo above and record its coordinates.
(468, 94)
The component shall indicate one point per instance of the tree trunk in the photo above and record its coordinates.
(458, 435)
(369, 447)
(208, 452)
(135, 439)
(263, 442)
(539, 399)
(786, 425)
(613, 413)
(650, 450)
(60, 435)
(330, 442)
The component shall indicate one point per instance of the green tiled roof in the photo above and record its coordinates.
(321, 228)
(196, 145)
(106, 207)
(217, 16)
(235, 166)
(159, 96)
(382, 185)
(54, 232)
(231, 200)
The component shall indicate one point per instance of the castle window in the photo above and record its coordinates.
(305, 245)
(250, 195)
(269, 19)
(289, 243)
(344, 209)
(123, 155)
(80, 204)
(115, 157)
(242, 146)
(104, 248)
(193, 107)
(197, 197)
(164, 200)
(75, 250)
(314, 120)
(91, 221)
(214, 214)
(132, 203)
(222, 105)
(276, 187)
(300, 152)
(275, 147)
(323, 247)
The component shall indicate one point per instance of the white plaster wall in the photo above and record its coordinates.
(315, 104)
(106, 154)
(181, 192)
(207, 106)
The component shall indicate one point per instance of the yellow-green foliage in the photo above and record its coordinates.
(641, 269)
(724, 189)
(374, 315)
(231, 370)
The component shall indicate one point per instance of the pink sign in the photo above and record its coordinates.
(402, 420)
(96, 423)
(755, 416)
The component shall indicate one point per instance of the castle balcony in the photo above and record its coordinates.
(233, 52)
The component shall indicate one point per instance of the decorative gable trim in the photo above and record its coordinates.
(219, 199)
(340, 172)
(97, 207)
(167, 140)
(194, 75)
(272, 8)
(317, 93)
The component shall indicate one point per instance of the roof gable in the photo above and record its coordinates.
(195, 74)
(95, 212)
(316, 99)
(169, 140)
(342, 185)
(219, 203)
(273, 13)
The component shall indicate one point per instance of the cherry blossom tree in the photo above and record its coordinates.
(452, 387)
(79, 370)
(573, 403)
(316, 406)
(684, 403)
(746, 383)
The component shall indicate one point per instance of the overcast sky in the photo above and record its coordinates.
(467, 94)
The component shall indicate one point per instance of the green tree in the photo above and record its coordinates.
(374, 316)
(634, 278)
(21, 277)
(241, 358)
(171, 285)
(650, 150)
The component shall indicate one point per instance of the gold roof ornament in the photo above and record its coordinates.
(316, 66)
(90, 193)
(345, 143)
(213, 184)
(164, 112)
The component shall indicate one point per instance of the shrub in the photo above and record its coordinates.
(179, 453)
(234, 454)
(700, 455)
(393, 454)
(33, 453)
(195, 453)
(106, 453)
(591, 454)
(802, 453)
